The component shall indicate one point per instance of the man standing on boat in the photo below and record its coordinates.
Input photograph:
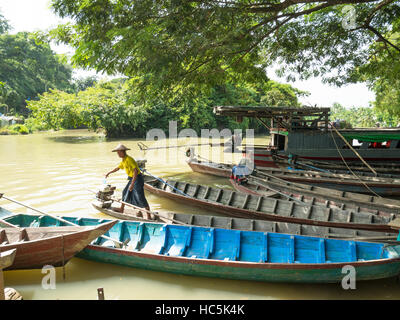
(133, 192)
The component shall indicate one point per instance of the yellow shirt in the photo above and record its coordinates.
(129, 164)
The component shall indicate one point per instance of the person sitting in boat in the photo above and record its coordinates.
(133, 192)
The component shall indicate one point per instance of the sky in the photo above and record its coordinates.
(35, 15)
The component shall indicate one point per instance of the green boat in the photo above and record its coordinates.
(231, 254)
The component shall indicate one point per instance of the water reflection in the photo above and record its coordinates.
(77, 139)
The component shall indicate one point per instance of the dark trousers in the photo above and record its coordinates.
(136, 196)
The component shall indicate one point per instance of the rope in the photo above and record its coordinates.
(352, 149)
(162, 181)
(344, 161)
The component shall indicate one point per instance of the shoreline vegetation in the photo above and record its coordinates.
(114, 108)
(36, 84)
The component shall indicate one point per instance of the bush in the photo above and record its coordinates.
(18, 129)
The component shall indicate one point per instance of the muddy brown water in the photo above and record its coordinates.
(53, 172)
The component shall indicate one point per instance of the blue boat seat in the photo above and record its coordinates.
(153, 238)
(226, 245)
(202, 243)
(280, 248)
(177, 241)
(132, 235)
(253, 246)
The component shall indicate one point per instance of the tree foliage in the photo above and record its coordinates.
(28, 68)
(382, 74)
(364, 117)
(116, 108)
(4, 25)
(170, 44)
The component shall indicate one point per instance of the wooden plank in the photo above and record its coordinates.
(230, 198)
(229, 226)
(3, 236)
(23, 236)
(2, 296)
(174, 186)
(274, 206)
(350, 216)
(291, 208)
(395, 224)
(291, 249)
(321, 251)
(246, 199)
(252, 225)
(206, 193)
(218, 195)
(353, 252)
(259, 202)
(329, 213)
(196, 191)
(210, 242)
(264, 255)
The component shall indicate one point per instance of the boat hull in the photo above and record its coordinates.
(208, 168)
(294, 273)
(246, 213)
(257, 256)
(55, 251)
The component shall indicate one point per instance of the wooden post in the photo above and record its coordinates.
(6, 260)
(100, 293)
(2, 297)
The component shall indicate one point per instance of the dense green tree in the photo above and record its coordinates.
(4, 25)
(28, 68)
(364, 117)
(382, 74)
(116, 107)
(82, 83)
(170, 44)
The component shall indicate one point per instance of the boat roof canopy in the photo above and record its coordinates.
(288, 118)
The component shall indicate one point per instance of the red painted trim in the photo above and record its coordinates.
(241, 264)
(233, 211)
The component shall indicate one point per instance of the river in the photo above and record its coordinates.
(54, 172)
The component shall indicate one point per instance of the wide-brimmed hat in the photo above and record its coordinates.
(120, 147)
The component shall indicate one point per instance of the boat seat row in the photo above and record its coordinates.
(230, 245)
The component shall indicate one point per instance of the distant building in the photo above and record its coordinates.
(9, 120)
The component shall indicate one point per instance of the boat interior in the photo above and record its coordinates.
(223, 244)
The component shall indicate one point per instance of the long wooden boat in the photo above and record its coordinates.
(317, 195)
(209, 167)
(344, 182)
(212, 221)
(383, 186)
(382, 171)
(234, 254)
(308, 134)
(237, 204)
(54, 246)
(343, 199)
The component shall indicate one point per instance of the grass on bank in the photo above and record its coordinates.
(14, 129)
